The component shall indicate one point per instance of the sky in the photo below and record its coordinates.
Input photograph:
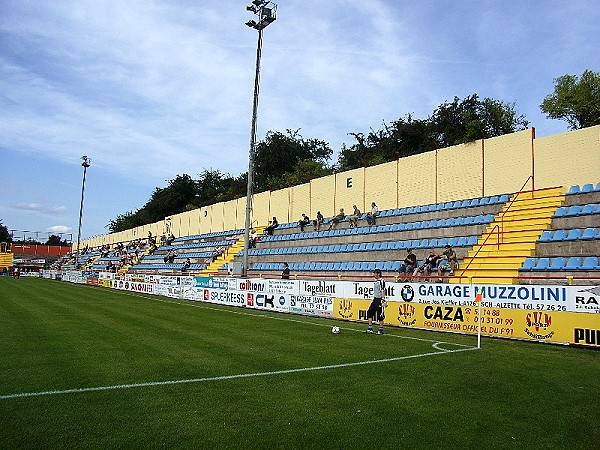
(152, 89)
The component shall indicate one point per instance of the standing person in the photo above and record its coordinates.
(377, 308)
(285, 273)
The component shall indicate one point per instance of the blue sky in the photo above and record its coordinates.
(152, 89)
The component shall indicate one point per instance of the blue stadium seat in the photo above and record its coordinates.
(589, 208)
(474, 202)
(559, 235)
(588, 233)
(590, 263)
(387, 266)
(574, 210)
(528, 264)
(546, 236)
(379, 265)
(573, 263)
(337, 266)
(472, 240)
(433, 243)
(573, 235)
(370, 266)
(424, 243)
(542, 264)
(558, 263)
(396, 266)
(442, 242)
(575, 189)
(392, 245)
(597, 188)
(589, 187)
(560, 212)
(400, 245)
(382, 245)
(344, 266)
(484, 201)
(462, 242)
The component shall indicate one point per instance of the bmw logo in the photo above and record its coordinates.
(407, 293)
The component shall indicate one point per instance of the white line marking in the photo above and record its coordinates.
(226, 377)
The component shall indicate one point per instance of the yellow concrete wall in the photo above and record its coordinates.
(322, 196)
(459, 172)
(508, 161)
(300, 202)
(381, 186)
(416, 184)
(568, 158)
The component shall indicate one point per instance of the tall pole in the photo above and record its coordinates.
(266, 14)
(251, 156)
(85, 164)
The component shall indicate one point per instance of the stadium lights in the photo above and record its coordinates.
(266, 13)
(85, 164)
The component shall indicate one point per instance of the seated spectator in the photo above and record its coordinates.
(318, 221)
(409, 264)
(285, 274)
(253, 238)
(428, 266)
(170, 239)
(449, 261)
(186, 265)
(303, 222)
(353, 218)
(272, 225)
(371, 215)
(337, 219)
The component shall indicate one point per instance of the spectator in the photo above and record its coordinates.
(318, 221)
(285, 274)
(337, 219)
(429, 265)
(409, 264)
(272, 225)
(449, 260)
(303, 222)
(186, 265)
(371, 215)
(353, 218)
(253, 238)
(170, 239)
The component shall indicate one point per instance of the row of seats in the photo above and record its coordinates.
(578, 210)
(589, 187)
(462, 241)
(181, 256)
(573, 234)
(210, 235)
(168, 266)
(366, 266)
(223, 243)
(561, 264)
(389, 228)
(481, 201)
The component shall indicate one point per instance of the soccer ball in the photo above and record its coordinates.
(335, 329)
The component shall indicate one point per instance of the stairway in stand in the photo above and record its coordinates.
(227, 257)
(511, 238)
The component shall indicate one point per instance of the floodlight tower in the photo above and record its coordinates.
(85, 164)
(266, 13)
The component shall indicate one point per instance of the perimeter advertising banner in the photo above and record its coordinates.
(545, 313)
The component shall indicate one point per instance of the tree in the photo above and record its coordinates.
(5, 235)
(279, 153)
(575, 100)
(56, 240)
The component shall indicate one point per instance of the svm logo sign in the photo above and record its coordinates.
(538, 324)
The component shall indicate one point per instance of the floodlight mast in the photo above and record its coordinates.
(266, 12)
(85, 164)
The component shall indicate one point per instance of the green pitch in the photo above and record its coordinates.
(87, 367)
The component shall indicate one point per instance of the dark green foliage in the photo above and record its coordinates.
(575, 100)
(4, 234)
(56, 240)
(276, 159)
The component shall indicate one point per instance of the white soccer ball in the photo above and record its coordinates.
(335, 329)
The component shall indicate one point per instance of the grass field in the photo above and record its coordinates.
(87, 367)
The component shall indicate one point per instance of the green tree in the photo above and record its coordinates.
(56, 240)
(575, 100)
(279, 153)
(5, 235)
